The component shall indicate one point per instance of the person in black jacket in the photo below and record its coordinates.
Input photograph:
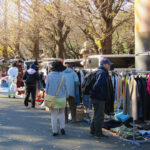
(99, 94)
(30, 77)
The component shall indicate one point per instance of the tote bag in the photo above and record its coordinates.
(50, 100)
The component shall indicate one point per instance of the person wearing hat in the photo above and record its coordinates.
(99, 94)
(56, 86)
(30, 77)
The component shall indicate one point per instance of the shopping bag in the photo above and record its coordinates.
(50, 101)
(13, 87)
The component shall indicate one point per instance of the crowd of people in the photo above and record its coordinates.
(60, 83)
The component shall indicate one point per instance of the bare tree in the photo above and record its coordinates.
(17, 44)
(32, 24)
(5, 53)
(97, 17)
(56, 28)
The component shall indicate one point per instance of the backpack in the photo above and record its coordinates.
(88, 83)
(30, 79)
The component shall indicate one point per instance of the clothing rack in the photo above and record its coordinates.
(147, 53)
(125, 71)
(133, 141)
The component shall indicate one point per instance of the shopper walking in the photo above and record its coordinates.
(99, 94)
(72, 82)
(56, 79)
(31, 76)
(12, 80)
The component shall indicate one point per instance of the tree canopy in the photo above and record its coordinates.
(59, 28)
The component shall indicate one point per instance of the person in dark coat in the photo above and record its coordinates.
(99, 94)
(31, 76)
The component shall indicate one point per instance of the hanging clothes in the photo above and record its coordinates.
(148, 85)
(118, 89)
(140, 102)
(147, 106)
(130, 105)
(109, 105)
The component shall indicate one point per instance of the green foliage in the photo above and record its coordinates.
(123, 37)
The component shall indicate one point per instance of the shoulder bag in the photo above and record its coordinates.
(50, 100)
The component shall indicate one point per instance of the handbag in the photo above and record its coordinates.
(50, 100)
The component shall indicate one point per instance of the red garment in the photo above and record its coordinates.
(39, 100)
(19, 84)
(20, 76)
(148, 85)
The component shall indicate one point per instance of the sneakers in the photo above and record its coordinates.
(26, 103)
(92, 133)
(55, 134)
(10, 96)
(62, 131)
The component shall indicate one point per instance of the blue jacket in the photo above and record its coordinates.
(52, 83)
(100, 90)
(72, 81)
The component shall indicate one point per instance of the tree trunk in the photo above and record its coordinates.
(36, 31)
(36, 47)
(107, 43)
(5, 52)
(17, 46)
(60, 50)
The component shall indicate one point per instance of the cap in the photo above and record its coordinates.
(106, 61)
(32, 66)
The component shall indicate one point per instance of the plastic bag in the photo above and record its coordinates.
(13, 87)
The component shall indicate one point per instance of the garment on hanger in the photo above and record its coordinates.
(109, 105)
(130, 105)
(148, 85)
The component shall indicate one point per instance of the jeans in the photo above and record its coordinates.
(98, 117)
(54, 114)
(87, 101)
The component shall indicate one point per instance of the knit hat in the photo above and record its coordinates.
(32, 66)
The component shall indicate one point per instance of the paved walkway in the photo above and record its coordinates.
(28, 129)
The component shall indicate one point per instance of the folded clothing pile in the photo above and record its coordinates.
(127, 133)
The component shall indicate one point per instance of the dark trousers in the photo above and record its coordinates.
(98, 117)
(30, 90)
(72, 105)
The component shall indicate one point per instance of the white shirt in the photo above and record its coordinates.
(13, 73)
